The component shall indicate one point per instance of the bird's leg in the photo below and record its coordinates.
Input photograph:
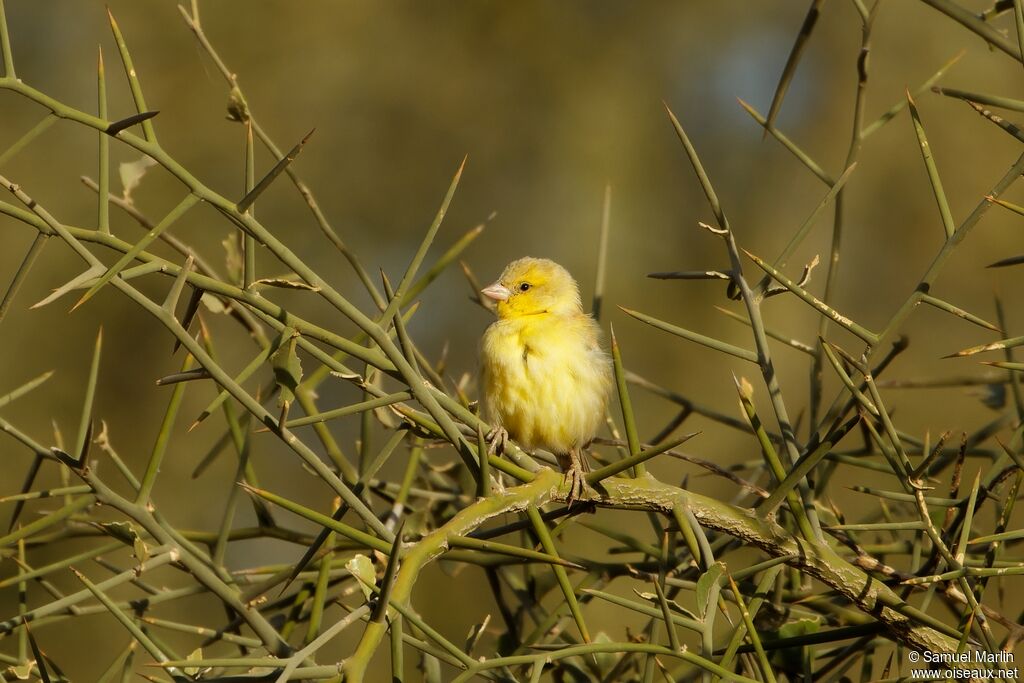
(575, 467)
(497, 439)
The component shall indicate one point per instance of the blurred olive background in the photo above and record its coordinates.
(551, 102)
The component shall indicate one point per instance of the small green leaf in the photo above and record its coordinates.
(141, 549)
(800, 627)
(122, 531)
(361, 567)
(653, 597)
(605, 659)
(213, 304)
(238, 108)
(705, 585)
(23, 672)
(287, 371)
(284, 282)
(194, 656)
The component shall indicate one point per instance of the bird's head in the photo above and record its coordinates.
(529, 286)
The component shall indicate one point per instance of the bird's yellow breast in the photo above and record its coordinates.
(546, 379)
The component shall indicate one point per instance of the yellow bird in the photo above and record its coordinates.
(544, 375)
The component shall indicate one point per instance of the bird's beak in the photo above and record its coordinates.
(497, 292)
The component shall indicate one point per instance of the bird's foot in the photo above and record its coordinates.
(577, 483)
(574, 465)
(496, 439)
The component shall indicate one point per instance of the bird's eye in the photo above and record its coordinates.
(524, 287)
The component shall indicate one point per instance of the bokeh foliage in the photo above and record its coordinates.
(366, 535)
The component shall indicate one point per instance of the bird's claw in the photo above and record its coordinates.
(496, 439)
(574, 466)
(577, 481)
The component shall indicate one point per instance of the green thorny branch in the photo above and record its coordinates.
(425, 409)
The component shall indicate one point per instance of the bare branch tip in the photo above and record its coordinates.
(85, 297)
(712, 229)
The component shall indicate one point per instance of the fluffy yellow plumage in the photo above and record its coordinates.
(544, 376)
